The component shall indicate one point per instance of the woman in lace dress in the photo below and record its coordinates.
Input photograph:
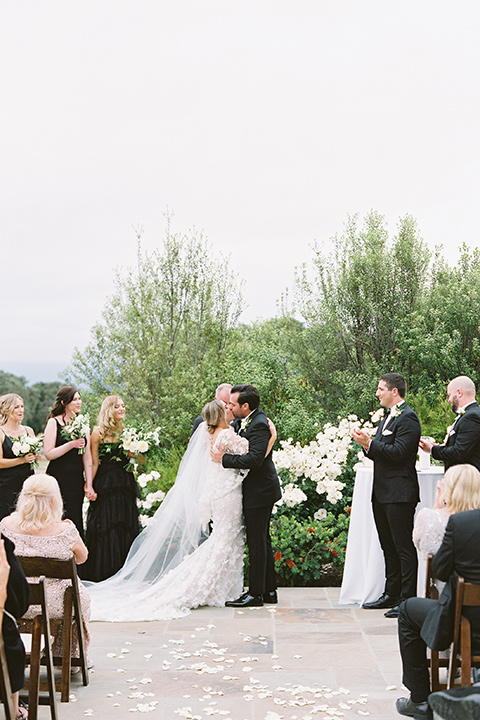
(172, 568)
(37, 530)
(460, 491)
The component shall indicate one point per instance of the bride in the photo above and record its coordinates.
(169, 570)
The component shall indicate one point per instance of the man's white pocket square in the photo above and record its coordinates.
(387, 432)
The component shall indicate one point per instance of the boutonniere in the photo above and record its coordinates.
(462, 411)
(397, 410)
(245, 423)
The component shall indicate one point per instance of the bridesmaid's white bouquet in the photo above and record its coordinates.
(139, 442)
(77, 428)
(25, 444)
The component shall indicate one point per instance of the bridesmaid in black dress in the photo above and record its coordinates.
(13, 470)
(112, 520)
(66, 465)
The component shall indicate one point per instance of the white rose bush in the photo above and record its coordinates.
(310, 522)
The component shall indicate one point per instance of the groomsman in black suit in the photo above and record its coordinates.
(426, 623)
(395, 492)
(462, 444)
(261, 489)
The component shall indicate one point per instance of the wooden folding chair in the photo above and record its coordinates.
(72, 615)
(468, 595)
(5, 687)
(38, 627)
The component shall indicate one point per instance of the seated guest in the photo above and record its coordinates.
(14, 600)
(426, 623)
(37, 529)
(460, 491)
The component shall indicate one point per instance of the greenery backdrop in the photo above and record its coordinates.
(380, 302)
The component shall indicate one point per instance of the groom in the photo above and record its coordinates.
(261, 489)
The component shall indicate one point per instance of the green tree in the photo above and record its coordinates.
(164, 334)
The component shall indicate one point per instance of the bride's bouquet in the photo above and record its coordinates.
(77, 428)
(25, 444)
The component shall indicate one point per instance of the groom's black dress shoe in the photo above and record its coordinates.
(419, 711)
(383, 602)
(461, 703)
(270, 597)
(246, 600)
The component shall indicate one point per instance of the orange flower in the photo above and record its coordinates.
(278, 556)
(311, 530)
(290, 563)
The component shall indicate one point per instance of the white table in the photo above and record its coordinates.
(364, 572)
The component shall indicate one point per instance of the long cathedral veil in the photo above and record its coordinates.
(174, 531)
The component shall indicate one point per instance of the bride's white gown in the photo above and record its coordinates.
(208, 573)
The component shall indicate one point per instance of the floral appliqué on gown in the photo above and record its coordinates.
(210, 575)
(59, 547)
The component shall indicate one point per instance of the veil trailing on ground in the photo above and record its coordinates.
(174, 532)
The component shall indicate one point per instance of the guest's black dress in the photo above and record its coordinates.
(112, 519)
(68, 470)
(11, 480)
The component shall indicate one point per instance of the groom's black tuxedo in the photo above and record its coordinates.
(395, 495)
(261, 489)
(463, 442)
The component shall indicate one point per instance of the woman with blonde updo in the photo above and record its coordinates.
(13, 470)
(460, 491)
(112, 519)
(37, 530)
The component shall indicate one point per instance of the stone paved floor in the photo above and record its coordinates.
(303, 659)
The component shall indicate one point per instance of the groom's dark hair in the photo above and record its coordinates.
(247, 394)
(395, 380)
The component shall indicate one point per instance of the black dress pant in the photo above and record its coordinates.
(413, 649)
(394, 522)
(262, 568)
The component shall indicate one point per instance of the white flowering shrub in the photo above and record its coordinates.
(324, 464)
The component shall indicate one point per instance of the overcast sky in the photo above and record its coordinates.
(262, 123)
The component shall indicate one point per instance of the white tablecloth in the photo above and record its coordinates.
(364, 572)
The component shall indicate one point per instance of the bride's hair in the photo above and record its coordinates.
(39, 503)
(212, 413)
(106, 421)
(7, 405)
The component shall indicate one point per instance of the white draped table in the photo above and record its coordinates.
(364, 572)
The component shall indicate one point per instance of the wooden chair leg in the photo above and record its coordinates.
(34, 680)
(5, 687)
(67, 648)
(50, 675)
(465, 652)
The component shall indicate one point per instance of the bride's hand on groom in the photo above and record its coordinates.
(216, 455)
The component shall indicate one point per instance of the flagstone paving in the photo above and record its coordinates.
(303, 659)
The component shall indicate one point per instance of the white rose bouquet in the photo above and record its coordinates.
(77, 428)
(139, 442)
(25, 444)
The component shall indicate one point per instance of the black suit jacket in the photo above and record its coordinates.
(261, 487)
(459, 554)
(463, 445)
(394, 455)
